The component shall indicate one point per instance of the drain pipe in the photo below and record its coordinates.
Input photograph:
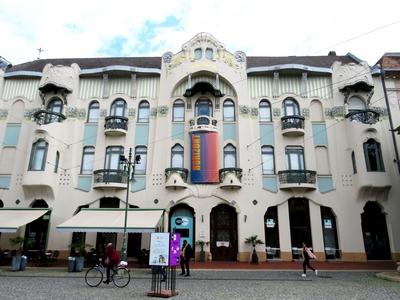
(396, 151)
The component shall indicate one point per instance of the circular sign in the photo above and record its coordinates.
(178, 221)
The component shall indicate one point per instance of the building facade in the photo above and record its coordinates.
(291, 149)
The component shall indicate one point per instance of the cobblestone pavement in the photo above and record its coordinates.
(203, 284)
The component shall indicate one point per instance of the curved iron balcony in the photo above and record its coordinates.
(292, 125)
(110, 178)
(365, 116)
(116, 125)
(176, 177)
(297, 178)
(230, 178)
(43, 117)
(203, 123)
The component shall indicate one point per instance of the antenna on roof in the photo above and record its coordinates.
(40, 51)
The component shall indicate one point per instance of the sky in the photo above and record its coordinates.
(86, 28)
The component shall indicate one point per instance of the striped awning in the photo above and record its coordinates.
(113, 220)
(13, 218)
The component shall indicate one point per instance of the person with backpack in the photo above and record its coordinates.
(308, 254)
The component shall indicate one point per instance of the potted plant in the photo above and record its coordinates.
(18, 262)
(253, 240)
(79, 252)
(201, 243)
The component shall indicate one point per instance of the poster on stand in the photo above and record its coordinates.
(159, 249)
(175, 251)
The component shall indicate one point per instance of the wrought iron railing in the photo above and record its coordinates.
(292, 122)
(43, 117)
(365, 116)
(297, 176)
(116, 122)
(110, 176)
(225, 171)
(181, 171)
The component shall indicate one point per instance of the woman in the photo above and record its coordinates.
(110, 259)
(307, 254)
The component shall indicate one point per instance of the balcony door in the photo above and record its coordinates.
(295, 158)
(204, 108)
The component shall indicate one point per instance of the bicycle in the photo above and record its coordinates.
(120, 276)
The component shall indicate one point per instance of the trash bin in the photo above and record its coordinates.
(24, 261)
(15, 263)
(71, 264)
(79, 263)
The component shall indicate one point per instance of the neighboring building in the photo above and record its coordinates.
(291, 149)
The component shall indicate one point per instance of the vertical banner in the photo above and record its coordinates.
(159, 249)
(204, 157)
(175, 249)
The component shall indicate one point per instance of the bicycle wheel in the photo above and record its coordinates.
(93, 277)
(121, 277)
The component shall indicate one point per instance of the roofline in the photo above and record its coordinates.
(23, 73)
(290, 66)
(121, 68)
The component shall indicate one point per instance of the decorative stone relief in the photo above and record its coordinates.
(30, 112)
(254, 112)
(3, 114)
(244, 110)
(276, 112)
(352, 73)
(59, 76)
(167, 57)
(153, 112)
(132, 112)
(73, 112)
(381, 110)
(162, 111)
(103, 113)
(240, 56)
(335, 112)
(305, 112)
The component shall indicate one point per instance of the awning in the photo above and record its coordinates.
(13, 218)
(112, 220)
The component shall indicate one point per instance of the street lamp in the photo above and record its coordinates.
(127, 164)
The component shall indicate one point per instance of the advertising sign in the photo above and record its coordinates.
(159, 249)
(327, 223)
(204, 157)
(175, 251)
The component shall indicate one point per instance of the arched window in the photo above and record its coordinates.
(229, 156)
(87, 160)
(294, 158)
(204, 108)
(265, 111)
(178, 111)
(140, 167)
(144, 112)
(229, 110)
(93, 112)
(373, 156)
(113, 154)
(197, 53)
(290, 107)
(355, 103)
(37, 161)
(209, 53)
(118, 108)
(54, 106)
(177, 156)
(57, 162)
(268, 160)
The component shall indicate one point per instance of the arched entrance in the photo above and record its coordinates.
(329, 232)
(300, 230)
(181, 221)
(36, 231)
(272, 232)
(376, 240)
(107, 237)
(223, 233)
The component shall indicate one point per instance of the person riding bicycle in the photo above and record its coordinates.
(111, 260)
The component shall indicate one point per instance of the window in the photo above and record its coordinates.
(294, 158)
(209, 53)
(118, 108)
(204, 108)
(144, 112)
(113, 157)
(87, 160)
(57, 162)
(197, 54)
(373, 156)
(229, 110)
(140, 168)
(94, 112)
(178, 111)
(290, 107)
(268, 160)
(353, 161)
(177, 156)
(355, 104)
(38, 156)
(54, 106)
(265, 111)
(229, 156)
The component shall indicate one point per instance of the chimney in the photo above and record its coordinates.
(332, 53)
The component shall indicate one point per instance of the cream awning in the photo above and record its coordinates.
(13, 218)
(112, 220)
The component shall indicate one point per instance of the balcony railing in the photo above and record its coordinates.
(43, 117)
(182, 172)
(292, 122)
(115, 123)
(365, 116)
(203, 123)
(297, 177)
(108, 176)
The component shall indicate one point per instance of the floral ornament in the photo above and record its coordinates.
(162, 110)
(167, 57)
(3, 114)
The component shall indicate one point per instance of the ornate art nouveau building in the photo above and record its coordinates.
(290, 149)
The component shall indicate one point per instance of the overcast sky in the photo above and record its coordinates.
(88, 28)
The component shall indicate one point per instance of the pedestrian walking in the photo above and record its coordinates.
(186, 255)
(111, 260)
(307, 255)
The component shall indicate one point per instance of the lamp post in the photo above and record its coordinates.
(128, 164)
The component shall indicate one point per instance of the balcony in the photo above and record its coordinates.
(115, 126)
(290, 179)
(203, 123)
(230, 178)
(292, 125)
(176, 178)
(108, 178)
(43, 117)
(365, 116)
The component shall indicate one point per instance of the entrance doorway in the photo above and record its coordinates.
(36, 231)
(330, 233)
(182, 221)
(376, 240)
(300, 231)
(223, 233)
(272, 232)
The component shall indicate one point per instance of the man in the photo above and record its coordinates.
(186, 255)
(110, 259)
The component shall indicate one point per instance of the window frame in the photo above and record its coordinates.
(112, 151)
(87, 153)
(291, 102)
(35, 147)
(297, 151)
(118, 104)
(91, 108)
(376, 148)
(144, 106)
(261, 108)
(199, 103)
(230, 153)
(178, 104)
(268, 152)
(177, 151)
(142, 151)
(227, 106)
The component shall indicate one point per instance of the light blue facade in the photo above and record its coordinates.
(270, 183)
(142, 134)
(229, 131)
(267, 134)
(5, 181)
(178, 131)
(325, 184)
(85, 182)
(90, 134)
(12, 135)
(319, 134)
(138, 184)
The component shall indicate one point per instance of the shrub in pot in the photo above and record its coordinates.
(253, 240)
